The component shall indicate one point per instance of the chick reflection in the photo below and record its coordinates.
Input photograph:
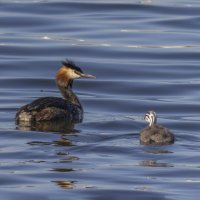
(55, 126)
(153, 163)
(65, 184)
(64, 169)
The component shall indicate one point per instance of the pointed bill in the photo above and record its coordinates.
(87, 76)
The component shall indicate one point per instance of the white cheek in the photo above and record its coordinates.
(73, 75)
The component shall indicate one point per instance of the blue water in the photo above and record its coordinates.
(145, 55)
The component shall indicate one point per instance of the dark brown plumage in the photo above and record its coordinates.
(49, 109)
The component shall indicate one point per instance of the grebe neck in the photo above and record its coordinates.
(68, 94)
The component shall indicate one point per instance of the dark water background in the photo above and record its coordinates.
(146, 55)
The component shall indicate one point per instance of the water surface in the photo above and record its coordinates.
(145, 55)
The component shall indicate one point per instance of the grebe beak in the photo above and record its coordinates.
(87, 76)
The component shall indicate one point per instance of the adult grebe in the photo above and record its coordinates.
(55, 108)
(154, 134)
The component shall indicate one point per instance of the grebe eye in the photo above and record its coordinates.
(77, 72)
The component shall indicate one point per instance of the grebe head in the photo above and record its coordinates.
(68, 72)
(73, 71)
(151, 118)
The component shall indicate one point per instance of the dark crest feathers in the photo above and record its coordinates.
(72, 65)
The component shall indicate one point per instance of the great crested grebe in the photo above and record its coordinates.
(54, 108)
(154, 134)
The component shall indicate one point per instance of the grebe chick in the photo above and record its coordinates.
(154, 134)
(54, 108)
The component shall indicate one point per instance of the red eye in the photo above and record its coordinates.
(77, 72)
